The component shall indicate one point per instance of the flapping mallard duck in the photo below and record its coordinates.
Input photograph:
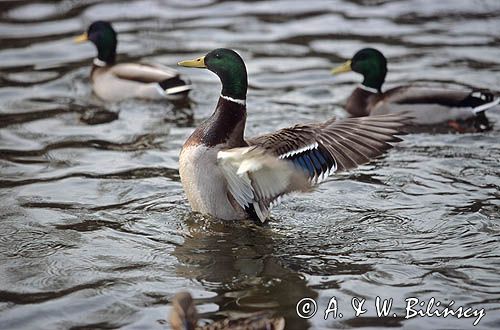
(459, 110)
(231, 178)
(115, 82)
(185, 317)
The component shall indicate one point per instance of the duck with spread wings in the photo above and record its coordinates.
(230, 177)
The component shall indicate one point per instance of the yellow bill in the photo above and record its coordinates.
(81, 38)
(345, 67)
(196, 63)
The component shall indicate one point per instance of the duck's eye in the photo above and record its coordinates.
(217, 55)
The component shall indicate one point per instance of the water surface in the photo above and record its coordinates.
(96, 233)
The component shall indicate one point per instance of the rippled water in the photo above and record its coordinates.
(95, 231)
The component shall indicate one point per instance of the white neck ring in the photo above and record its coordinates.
(368, 89)
(99, 63)
(238, 101)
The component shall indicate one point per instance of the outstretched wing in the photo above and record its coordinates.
(336, 145)
(256, 178)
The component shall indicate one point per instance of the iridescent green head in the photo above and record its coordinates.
(103, 36)
(369, 62)
(228, 66)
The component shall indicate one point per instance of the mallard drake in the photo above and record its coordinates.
(185, 317)
(456, 109)
(115, 82)
(230, 177)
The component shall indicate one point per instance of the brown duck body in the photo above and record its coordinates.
(257, 321)
(185, 317)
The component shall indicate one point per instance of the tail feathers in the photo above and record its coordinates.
(476, 98)
(484, 95)
(175, 86)
(480, 100)
(481, 122)
(486, 106)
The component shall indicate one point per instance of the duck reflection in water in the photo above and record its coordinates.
(238, 262)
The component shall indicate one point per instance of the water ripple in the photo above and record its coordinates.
(95, 229)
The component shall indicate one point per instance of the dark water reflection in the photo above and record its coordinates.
(95, 232)
(241, 264)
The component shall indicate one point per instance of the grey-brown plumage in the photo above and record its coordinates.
(321, 149)
(185, 317)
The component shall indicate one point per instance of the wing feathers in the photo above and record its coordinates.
(260, 174)
(257, 178)
(322, 149)
(143, 72)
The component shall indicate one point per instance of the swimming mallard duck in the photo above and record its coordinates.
(231, 178)
(185, 317)
(115, 82)
(459, 110)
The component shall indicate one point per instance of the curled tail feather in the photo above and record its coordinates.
(175, 86)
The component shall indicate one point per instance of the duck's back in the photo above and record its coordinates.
(426, 105)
